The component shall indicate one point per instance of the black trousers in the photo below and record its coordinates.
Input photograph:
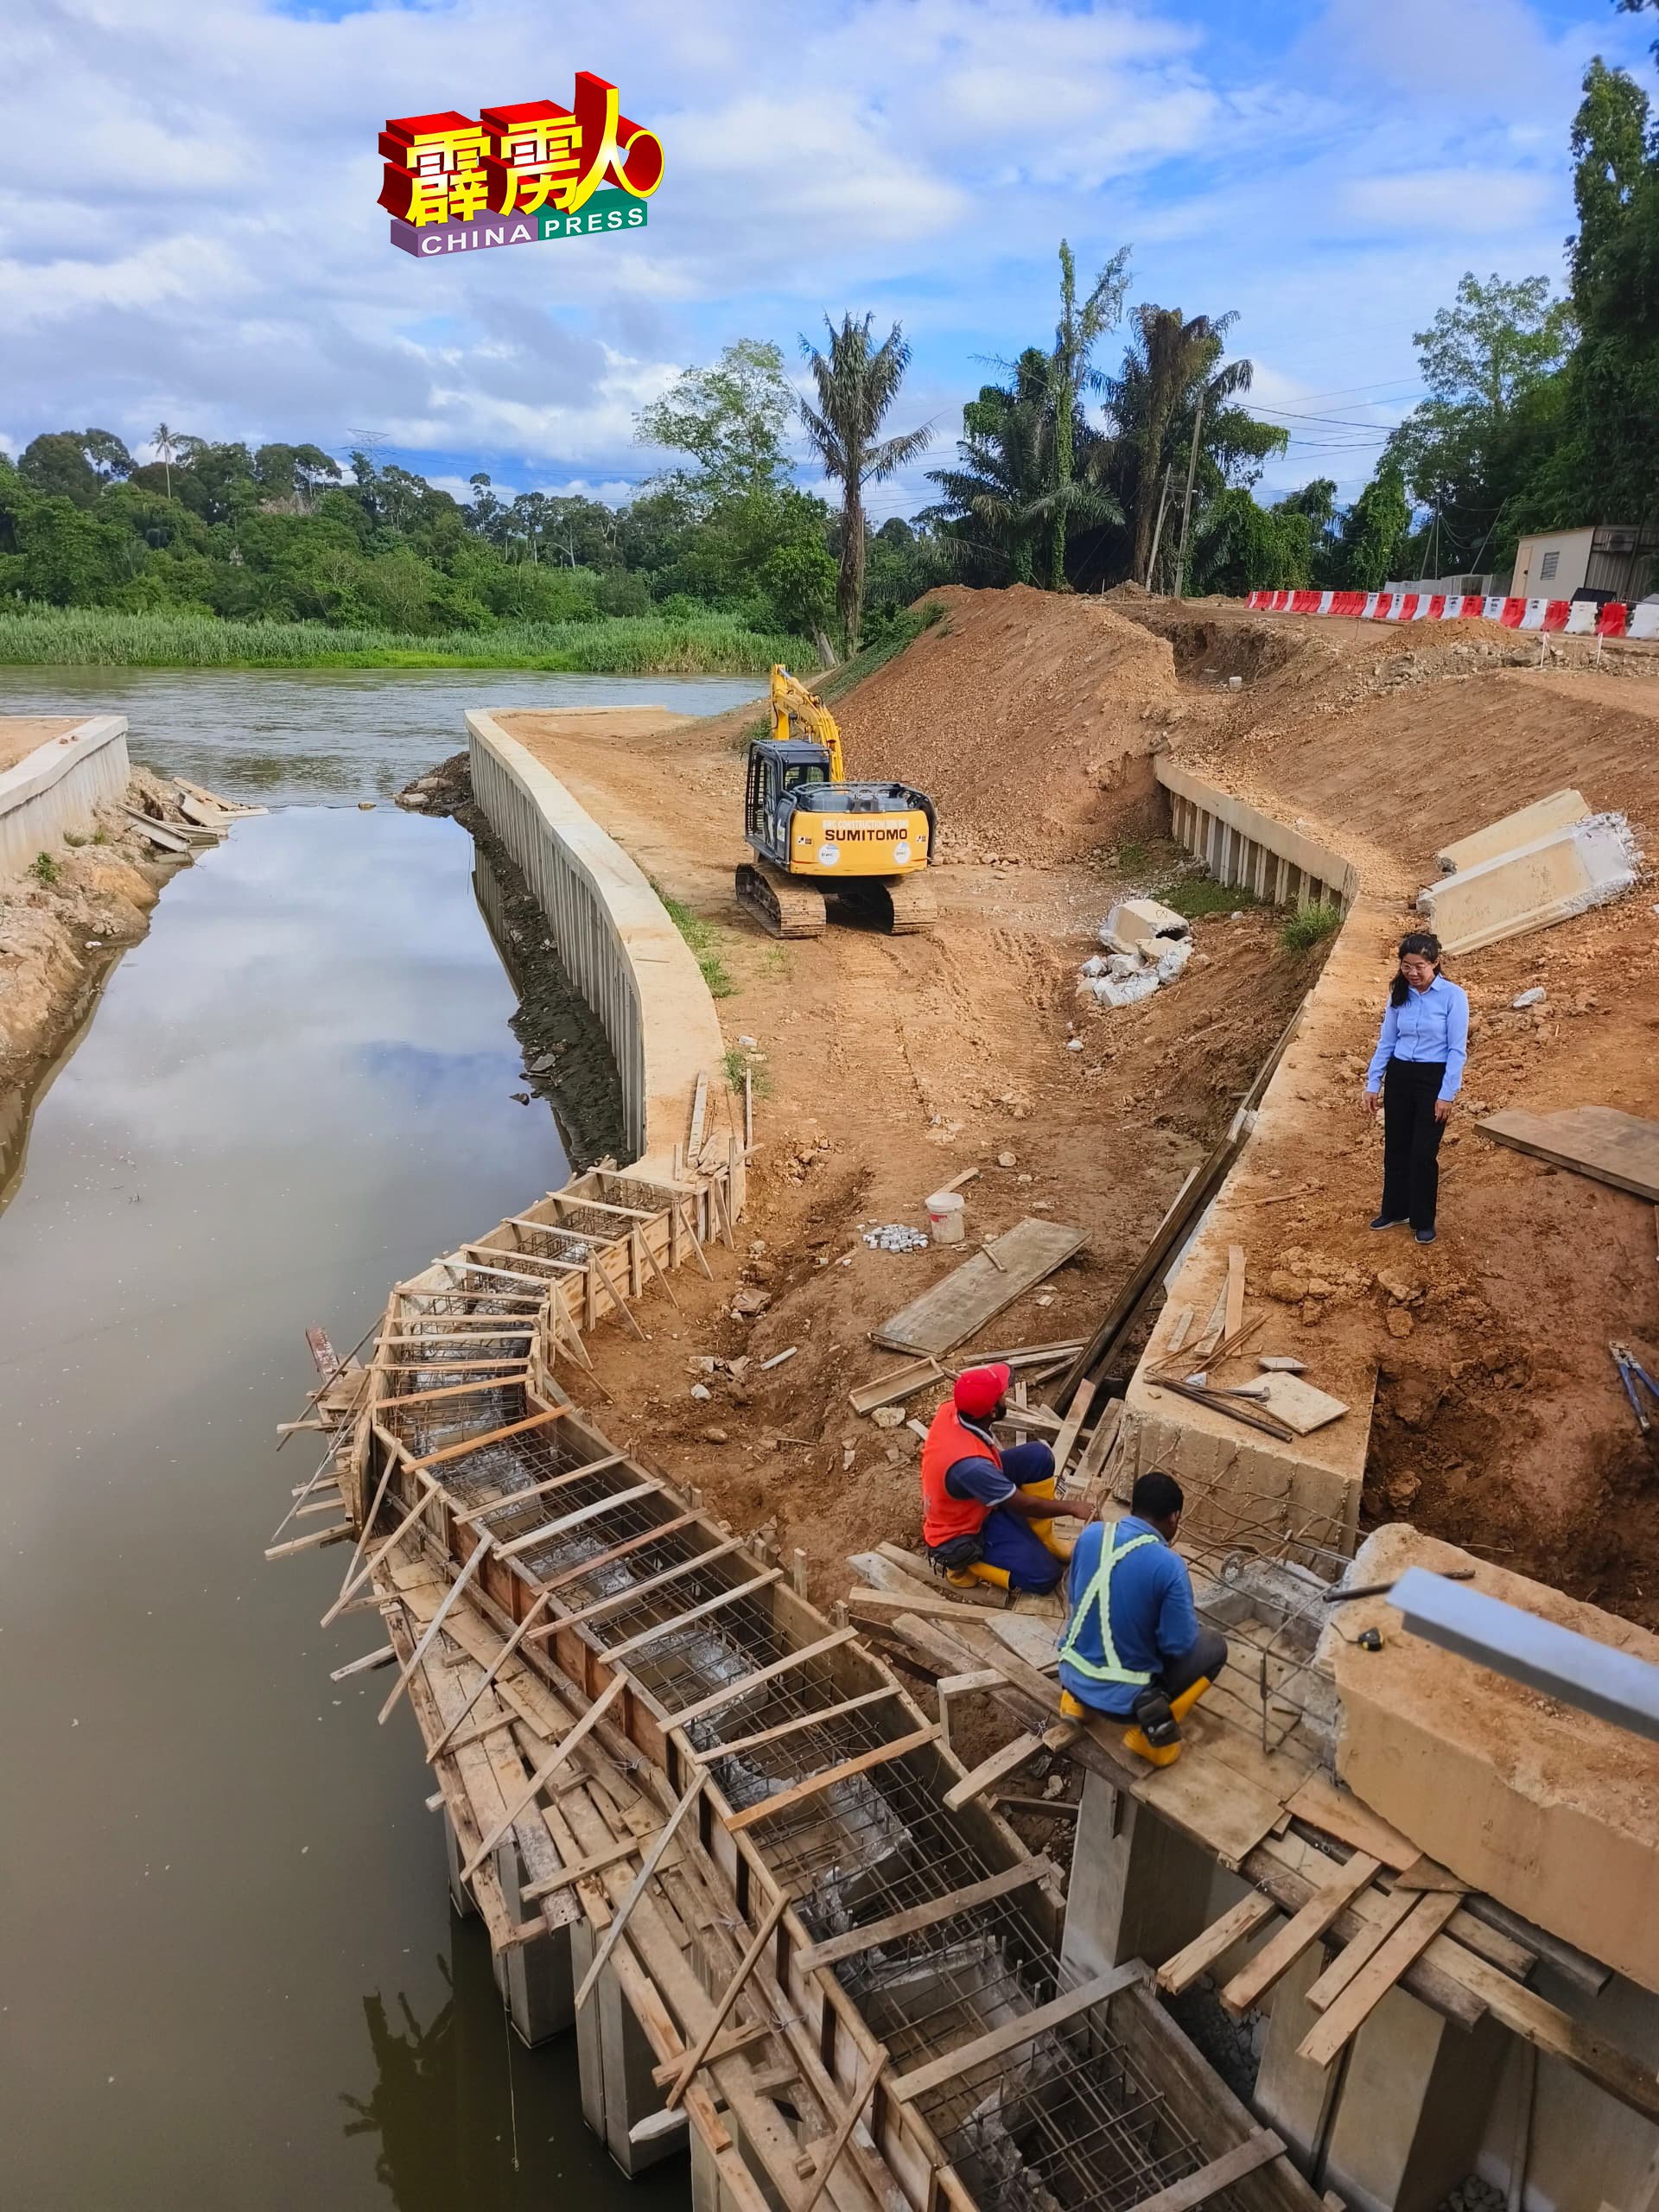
(1202, 1663)
(1411, 1140)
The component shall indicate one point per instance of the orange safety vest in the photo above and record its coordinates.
(949, 1438)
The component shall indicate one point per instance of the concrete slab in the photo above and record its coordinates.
(1556, 812)
(1560, 874)
(1133, 920)
(1555, 1813)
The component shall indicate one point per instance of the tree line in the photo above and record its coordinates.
(1541, 411)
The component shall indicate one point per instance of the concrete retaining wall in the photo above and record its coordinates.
(623, 953)
(54, 790)
(1242, 846)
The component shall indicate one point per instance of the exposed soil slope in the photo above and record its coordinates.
(1029, 718)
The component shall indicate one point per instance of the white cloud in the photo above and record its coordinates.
(199, 239)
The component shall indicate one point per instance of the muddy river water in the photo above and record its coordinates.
(229, 1975)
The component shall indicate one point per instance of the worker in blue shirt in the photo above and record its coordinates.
(1133, 1645)
(1415, 1073)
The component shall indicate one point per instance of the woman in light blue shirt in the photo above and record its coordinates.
(1415, 1073)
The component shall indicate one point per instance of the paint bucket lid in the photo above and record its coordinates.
(943, 1204)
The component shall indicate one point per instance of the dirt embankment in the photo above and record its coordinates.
(1500, 1424)
(1031, 719)
(884, 1067)
(63, 925)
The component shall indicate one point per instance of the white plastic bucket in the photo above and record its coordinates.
(946, 1217)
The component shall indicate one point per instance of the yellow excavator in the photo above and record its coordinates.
(817, 837)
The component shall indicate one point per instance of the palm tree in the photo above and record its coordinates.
(164, 444)
(1071, 371)
(857, 383)
(1169, 367)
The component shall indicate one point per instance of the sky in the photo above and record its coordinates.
(188, 231)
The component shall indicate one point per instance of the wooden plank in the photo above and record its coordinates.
(826, 1779)
(747, 1682)
(897, 1925)
(1600, 1142)
(619, 1551)
(628, 1846)
(1258, 2149)
(397, 1399)
(1009, 2037)
(1339, 1813)
(511, 1497)
(583, 1513)
(560, 1754)
(739, 2039)
(1633, 2081)
(988, 1772)
(1359, 1949)
(312, 1541)
(1348, 2013)
(793, 1727)
(475, 1559)
(1200, 1954)
(492, 1670)
(1281, 1950)
(529, 1259)
(645, 1589)
(898, 1383)
(1235, 1309)
(683, 1620)
(978, 1290)
(1081, 1400)
(490, 1436)
(617, 1300)
(818, 2179)
(699, 1115)
(665, 1835)
(728, 1997)
(385, 1656)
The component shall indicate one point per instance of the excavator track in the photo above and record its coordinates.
(786, 907)
(914, 907)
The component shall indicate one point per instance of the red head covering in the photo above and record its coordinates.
(980, 1390)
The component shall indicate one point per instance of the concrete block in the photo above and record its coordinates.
(1549, 1810)
(1556, 812)
(1563, 872)
(1133, 919)
(1413, 2108)
(1139, 1888)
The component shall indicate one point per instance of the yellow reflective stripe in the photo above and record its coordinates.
(1095, 1594)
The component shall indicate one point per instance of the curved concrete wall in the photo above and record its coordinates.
(623, 953)
(55, 788)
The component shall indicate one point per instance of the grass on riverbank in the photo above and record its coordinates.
(703, 940)
(704, 644)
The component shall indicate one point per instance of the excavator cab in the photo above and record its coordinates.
(815, 835)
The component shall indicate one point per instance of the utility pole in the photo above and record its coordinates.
(1158, 528)
(1186, 508)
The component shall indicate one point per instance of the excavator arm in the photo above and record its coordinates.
(797, 712)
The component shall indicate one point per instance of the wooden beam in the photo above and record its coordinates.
(681, 1620)
(819, 2176)
(1234, 1291)
(314, 1540)
(645, 1589)
(728, 1997)
(897, 1925)
(493, 1669)
(815, 1783)
(536, 1490)
(628, 1846)
(1259, 2148)
(561, 1752)
(1012, 2033)
(739, 2039)
(583, 1513)
(474, 1560)
(394, 1399)
(791, 1727)
(1218, 1938)
(1081, 1400)
(1340, 1886)
(1349, 2012)
(617, 1298)
(350, 1589)
(990, 1772)
(587, 1567)
(747, 1682)
(490, 1436)
(665, 1835)
(1355, 1952)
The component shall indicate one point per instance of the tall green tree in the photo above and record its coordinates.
(1373, 531)
(729, 419)
(1173, 364)
(857, 382)
(164, 444)
(1072, 372)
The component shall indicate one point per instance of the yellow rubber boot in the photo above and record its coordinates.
(1166, 1755)
(1043, 1529)
(965, 1577)
(1072, 1708)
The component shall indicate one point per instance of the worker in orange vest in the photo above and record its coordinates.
(986, 1510)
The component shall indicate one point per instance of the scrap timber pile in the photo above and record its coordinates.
(642, 1734)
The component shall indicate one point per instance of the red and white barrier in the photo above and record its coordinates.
(1578, 618)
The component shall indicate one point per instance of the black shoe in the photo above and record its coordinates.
(1425, 1236)
(1389, 1221)
(1155, 1720)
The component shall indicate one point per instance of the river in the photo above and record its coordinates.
(231, 1976)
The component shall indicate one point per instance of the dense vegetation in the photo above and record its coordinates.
(1542, 411)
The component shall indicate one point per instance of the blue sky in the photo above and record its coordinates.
(188, 231)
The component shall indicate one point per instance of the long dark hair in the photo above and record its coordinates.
(1427, 946)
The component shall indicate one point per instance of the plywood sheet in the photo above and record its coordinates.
(1297, 1402)
(1613, 1147)
(977, 1291)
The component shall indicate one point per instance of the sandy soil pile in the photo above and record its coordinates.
(1029, 718)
